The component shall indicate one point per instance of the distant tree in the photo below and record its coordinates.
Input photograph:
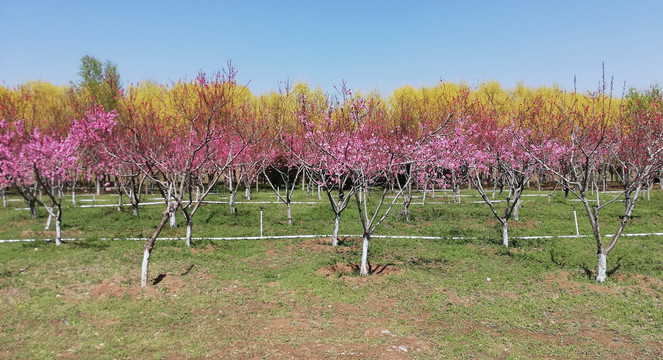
(99, 84)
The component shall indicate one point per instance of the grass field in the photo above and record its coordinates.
(279, 299)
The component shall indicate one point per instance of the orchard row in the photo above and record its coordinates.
(188, 138)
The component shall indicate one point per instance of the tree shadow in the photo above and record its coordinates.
(591, 275)
(556, 260)
(158, 279)
(612, 271)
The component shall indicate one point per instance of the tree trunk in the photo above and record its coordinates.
(423, 196)
(363, 271)
(98, 184)
(289, 213)
(231, 202)
(147, 249)
(134, 200)
(189, 230)
(516, 210)
(407, 200)
(173, 217)
(58, 226)
(119, 201)
(33, 208)
(494, 187)
(601, 271)
(48, 220)
(73, 195)
(337, 225)
(4, 198)
(505, 233)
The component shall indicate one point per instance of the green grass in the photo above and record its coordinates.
(269, 299)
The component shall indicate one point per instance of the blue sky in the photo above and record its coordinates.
(371, 44)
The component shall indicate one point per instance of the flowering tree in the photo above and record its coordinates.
(594, 136)
(13, 172)
(499, 151)
(326, 134)
(177, 144)
(49, 159)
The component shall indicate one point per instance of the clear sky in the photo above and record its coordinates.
(371, 44)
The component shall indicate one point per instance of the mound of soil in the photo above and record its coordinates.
(321, 245)
(343, 270)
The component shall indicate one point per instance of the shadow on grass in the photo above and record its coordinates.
(591, 275)
(158, 279)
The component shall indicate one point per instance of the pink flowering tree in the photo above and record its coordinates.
(593, 137)
(16, 172)
(246, 146)
(49, 159)
(179, 151)
(360, 153)
(326, 133)
(282, 167)
(499, 152)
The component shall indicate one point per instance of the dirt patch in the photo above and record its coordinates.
(650, 285)
(349, 273)
(605, 338)
(527, 224)
(378, 331)
(322, 245)
(454, 299)
(338, 268)
(172, 283)
(286, 326)
(113, 287)
(341, 269)
(28, 234)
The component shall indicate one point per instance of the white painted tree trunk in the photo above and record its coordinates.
(423, 197)
(189, 231)
(58, 231)
(98, 184)
(505, 233)
(149, 246)
(363, 270)
(134, 201)
(601, 272)
(119, 202)
(516, 210)
(4, 198)
(48, 220)
(73, 195)
(173, 217)
(231, 202)
(289, 214)
(337, 224)
(144, 267)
